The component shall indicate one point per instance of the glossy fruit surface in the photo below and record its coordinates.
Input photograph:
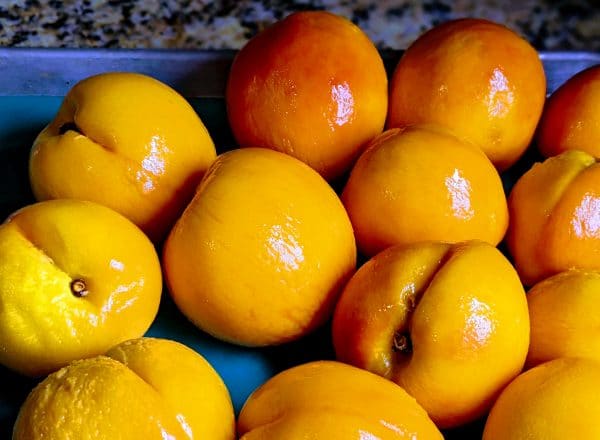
(555, 400)
(447, 322)
(262, 252)
(76, 278)
(570, 120)
(421, 183)
(563, 312)
(555, 217)
(126, 141)
(476, 78)
(143, 388)
(331, 400)
(313, 86)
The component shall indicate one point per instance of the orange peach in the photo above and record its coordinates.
(553, 401)
(143, 388)
(420, 183)
(563, 311)
(570, 120)
(126, 141)
(261, 254)
(66, 291)
(447, 322)
(555, 217)
(478, 79)
(313, 86)
(334, 401)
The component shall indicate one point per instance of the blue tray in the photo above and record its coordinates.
(34, 82)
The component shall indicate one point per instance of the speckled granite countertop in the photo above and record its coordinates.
(202, 24)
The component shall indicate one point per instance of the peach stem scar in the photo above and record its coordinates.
(69, 126)
(402, 343)
(78, 288)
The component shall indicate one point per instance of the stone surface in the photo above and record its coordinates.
(201, 24)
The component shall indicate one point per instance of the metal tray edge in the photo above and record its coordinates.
(194, 73)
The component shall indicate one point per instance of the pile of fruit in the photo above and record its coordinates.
(432, 331)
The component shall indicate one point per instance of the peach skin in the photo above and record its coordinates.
(563, 311)
(66, 292)
(570, 120)
(334, 401)
(447, 322)
(145, 388)
(262, 252)
(126, 141)
(555, 217)
(476, 78)
(553, 401)
(421, 183)
(313, 86)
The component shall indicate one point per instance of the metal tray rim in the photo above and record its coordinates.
(194, 73)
